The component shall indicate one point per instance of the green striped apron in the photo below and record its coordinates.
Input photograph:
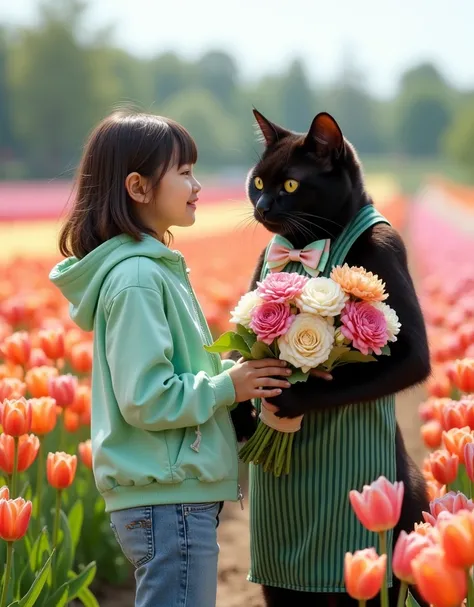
(302, 524)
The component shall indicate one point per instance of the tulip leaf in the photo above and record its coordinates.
(65, 552)
(63, 600)
(75, 520)
(14, 604)
(410, 602)
(260, 350)
(76, 584)
(229, 341)
(87, 598)
(249, 336)
(33, 593)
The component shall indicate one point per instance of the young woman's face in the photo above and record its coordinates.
(175, 199)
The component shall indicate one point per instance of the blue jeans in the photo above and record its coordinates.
(174, 551)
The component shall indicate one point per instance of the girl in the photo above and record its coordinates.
(163, 444)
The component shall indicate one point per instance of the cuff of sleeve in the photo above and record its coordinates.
(227, 363)
(224, 389)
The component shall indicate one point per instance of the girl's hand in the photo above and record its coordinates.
(253, 378)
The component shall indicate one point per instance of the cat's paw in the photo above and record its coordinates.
(244, 420)
(287, 405)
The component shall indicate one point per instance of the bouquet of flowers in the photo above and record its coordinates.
(313, 324)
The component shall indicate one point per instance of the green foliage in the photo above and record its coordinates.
(458, 143)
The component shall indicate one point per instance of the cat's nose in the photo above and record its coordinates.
(264, 204)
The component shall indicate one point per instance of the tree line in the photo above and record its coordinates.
(55, 84)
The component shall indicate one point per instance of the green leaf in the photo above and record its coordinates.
(334, 355)
(76, 584)
(260, 350)
(87, 598)
(40, 546)
(356, 357)
(411, 601)
(65, 551)
(33, 593)
(297, 375)
(14, 604)
(75, 520)
(63, 600)
(249, 336)
(386, 350)
(227, 342)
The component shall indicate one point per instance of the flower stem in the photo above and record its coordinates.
(362, 603)
(402, 595)
(383, 550)
(39, 483)
(471, 488)
(62, 433)
(470, 590)
(8, 572)
(57, 517)
(13, 494)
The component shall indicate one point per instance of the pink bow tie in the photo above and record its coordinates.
(313, 257)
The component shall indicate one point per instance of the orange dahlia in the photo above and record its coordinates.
(359, 282)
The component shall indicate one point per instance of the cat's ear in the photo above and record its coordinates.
(325, 136)
(271, 132)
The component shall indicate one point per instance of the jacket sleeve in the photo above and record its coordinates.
(139, 349)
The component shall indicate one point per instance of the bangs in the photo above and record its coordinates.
(185, 150)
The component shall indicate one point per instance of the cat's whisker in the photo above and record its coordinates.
(312, 215)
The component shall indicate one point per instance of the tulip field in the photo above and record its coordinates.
(56, 545)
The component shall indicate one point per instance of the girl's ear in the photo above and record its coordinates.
(136, 187)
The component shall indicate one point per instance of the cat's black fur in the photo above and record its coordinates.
(330, 193)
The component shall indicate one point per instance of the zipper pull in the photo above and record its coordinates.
(197, 443)
(240, 497)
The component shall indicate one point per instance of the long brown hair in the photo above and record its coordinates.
(122, 143)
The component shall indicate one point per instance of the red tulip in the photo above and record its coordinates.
(63, 389)
(14, 518)
(52, 342)
(28, 447)
(81, 357)
(38, 359)
(379, 505)
(363, 573)
(11, 387)
(72, 420)
(454, 415)
(16, 417)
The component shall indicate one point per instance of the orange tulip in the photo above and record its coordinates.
(451, 502)
(28, 447)
(43, 415)
(81, 357)
(444, 466)
(86, 416)
(379, 505)
(14, 518)
(4, 493)
(73, 337)
(454, 415)
(85, 451)
(435, 490)
(17, 348)
(431, 433)
(457, 539)
(461, 373)
(82, 399)
(51, 341)
(72, 421)
(455, 440)
(439, 385)
(11, 387)
(426, 470)
(469, 460)
(425, 529)
(61, 469)
(63, 389)
(408, 546)
(37, 380)
(363, 573)
(16, 417)
(11, 370)
(438, 583)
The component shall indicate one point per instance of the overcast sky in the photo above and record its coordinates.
(264, 35)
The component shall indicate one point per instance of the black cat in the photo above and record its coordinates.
(329, 193)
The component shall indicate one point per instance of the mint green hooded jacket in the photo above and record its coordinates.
(161, 429)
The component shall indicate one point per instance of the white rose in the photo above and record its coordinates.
(241, 314)
(308, 342)
(393, 324)
(322, 296)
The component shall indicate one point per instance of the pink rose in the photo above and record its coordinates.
(365, 326)
(270, 320)
(281, 287)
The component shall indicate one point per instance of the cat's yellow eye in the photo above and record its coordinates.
(291, 185)
(258, 182)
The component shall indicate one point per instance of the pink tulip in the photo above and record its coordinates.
(451, 502)
(408, 546)
(379, 505)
